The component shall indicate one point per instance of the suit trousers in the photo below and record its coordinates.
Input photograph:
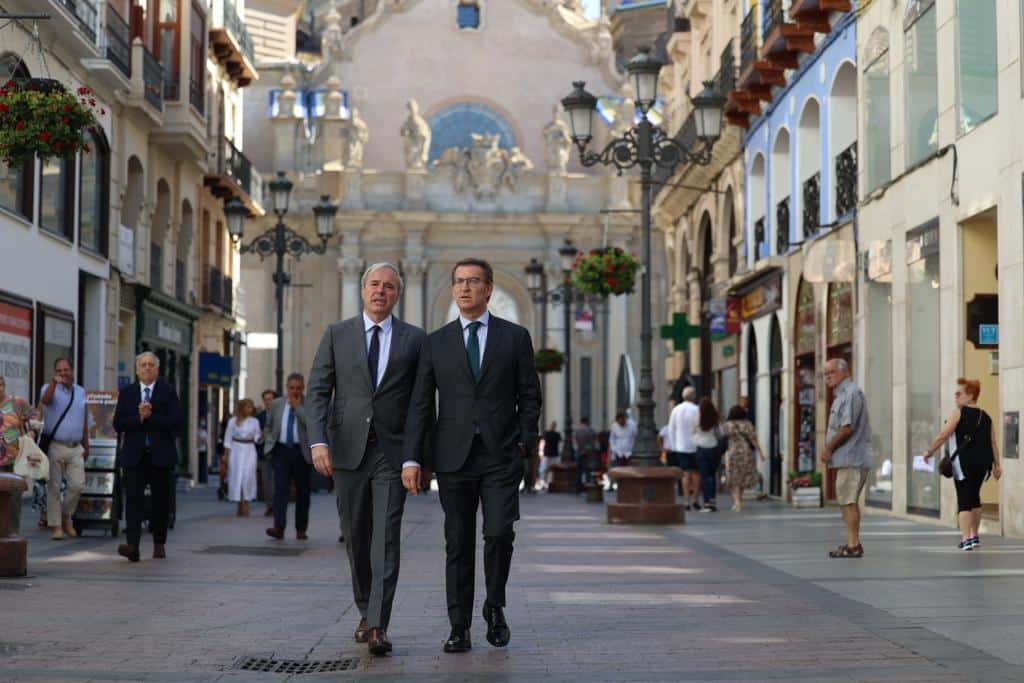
(371, 500)
(135, 480)
(289, 465)
(493, 480)
(65, 463)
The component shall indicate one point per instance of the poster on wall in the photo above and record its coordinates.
(101, 405)
(16, 348)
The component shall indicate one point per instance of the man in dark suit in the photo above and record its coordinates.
(288, 444)
(148, 419)
(359, 391)
(481, 368)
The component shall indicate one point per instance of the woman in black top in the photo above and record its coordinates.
(977, 455)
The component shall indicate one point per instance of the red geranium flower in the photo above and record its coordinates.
(20, 125)
(4, 108)
(45, 136)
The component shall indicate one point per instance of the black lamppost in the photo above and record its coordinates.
(645, 145)
(280, 241)
(565, 294)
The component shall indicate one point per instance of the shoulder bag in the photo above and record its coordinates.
(31, 462)
(946, 464)
(44, 438)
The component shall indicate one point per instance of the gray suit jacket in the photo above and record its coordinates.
(342, 402)
(275, 423)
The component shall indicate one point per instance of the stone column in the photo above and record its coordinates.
(285, 126)
(351, 268)
(332, 128)
(413, 310)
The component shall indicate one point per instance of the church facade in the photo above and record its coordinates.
(435, 125)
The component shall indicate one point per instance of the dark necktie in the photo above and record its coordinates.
(373, 357)
(290, 437)
(473, 349)
(145, 399)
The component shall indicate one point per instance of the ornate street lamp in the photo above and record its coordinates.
(645, 145)
(280, 241)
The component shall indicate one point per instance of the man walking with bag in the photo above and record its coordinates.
(65, 440)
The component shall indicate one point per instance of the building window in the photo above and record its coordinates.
(16, 189)
(197, 59)
(165, 40)
(56, 197)
(977, 90)
(468, 14)
(921, 93)
(878, 371)
(56, 340)
(94, 192)
(876, 113)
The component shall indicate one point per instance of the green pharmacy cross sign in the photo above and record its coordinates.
(680, 332)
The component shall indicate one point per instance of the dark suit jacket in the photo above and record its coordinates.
(340, 399)
(504, 403)
(272, 430)
(162, 427)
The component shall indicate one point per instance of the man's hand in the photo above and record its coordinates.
(826, 455)
(411, 479)
(927, 457)
(322, 460)
(997, 470)
(145, 411)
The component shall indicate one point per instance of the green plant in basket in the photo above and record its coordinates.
(548, 360)
(40, 118)
(605, 271)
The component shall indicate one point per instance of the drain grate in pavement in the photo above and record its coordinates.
(265, 551)
(14, 586)
(296, 666)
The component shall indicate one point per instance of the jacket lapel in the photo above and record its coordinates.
(494, 339)
(359, 332)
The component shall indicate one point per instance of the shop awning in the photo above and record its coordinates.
(215, 369)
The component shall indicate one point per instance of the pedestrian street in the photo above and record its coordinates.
(724, 597)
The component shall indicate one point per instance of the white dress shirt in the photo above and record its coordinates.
(142, 391)
(384, 336)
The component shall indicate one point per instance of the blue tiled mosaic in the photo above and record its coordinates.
(452, 127)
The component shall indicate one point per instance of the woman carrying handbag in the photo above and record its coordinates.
(15, 413)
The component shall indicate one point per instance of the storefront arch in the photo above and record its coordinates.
(775, 367)
(805, 334)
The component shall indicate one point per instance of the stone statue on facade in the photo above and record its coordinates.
(516, 165)
(358, 134)
(557, 143)
(415, 138)
(484, 166)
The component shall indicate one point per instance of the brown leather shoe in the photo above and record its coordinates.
(129, 551)
(274, 532)
(378, 642)
(362, 631)
(159, 553)
(301, 535)
(268, 512)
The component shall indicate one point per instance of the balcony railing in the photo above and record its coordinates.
(213, 287)
(179, 280)
(725, 80)
(748, 39)
(236, 165)
(760, 239)
(846, 180)
(774, 17)
(85, 13)
(782, 226)
(812, 204)
(228, 304)
(196, 96)
(229, 19)
(119, 40)
(686, 136)
(153, 78)
(156, 266)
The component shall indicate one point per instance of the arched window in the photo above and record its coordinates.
(57, 196)
(876, 109)
(729, 215)
(843, 139)
(467, 14)
(94, 194)
(756, 208)
(809, 167)
(922, 80)
(780, 189)
(977, 89)
(158, 234)
(454, 125)
(15, 183)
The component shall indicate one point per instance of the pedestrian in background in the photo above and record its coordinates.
(15, 413)
(708, 440)
(148, 420)
(974, 454)
(288, 441)
(740, 466)
(683, 422)
(588, 453)
(243, 431)
(847, 450)
(266, 451)
(65, 441)
(531, 461)
(623, 436)
(550, 442)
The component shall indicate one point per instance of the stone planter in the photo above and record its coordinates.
(807, 497)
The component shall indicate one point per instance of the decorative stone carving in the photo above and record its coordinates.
(557, 143)
(484, 167)
(415, 133)
(333, 39)
(357, 136)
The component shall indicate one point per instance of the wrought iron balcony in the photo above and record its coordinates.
(213, 287)
(782, 226)
(231, 42)
(229, 298)
(812, 205)
(749, 43)
(725, 80)
(153, 78)
(119, 41)
(760, 239)
(86, 15)
(774, 17)
(846, 181)
(232, 175)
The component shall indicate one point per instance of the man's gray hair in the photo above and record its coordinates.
(377, 266)
(295, 375)
(842, 365)
(148, 354)
(690, 394)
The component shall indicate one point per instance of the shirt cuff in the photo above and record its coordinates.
(410, 463)
(314, 445)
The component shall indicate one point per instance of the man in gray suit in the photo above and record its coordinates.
(288, 442)
(359, 390)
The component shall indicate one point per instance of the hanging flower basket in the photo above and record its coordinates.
(605, 271)
(548, 360)
(40, 118)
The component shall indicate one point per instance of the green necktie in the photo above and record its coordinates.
(473, 349)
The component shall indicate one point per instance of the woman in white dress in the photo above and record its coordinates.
(240, 450)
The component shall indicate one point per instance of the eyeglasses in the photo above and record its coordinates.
(471, 281)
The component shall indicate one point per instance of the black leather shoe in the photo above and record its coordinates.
(498, 632)
(129, 551)
(379, 644)
(458, 641)
(159, 552)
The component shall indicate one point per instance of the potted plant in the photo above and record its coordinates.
(548, 360)
(605, 271)
(41, 118)
(806, 488)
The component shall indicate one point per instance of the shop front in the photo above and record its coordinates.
(216, 374)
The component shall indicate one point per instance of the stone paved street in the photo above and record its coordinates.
(724, 598)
